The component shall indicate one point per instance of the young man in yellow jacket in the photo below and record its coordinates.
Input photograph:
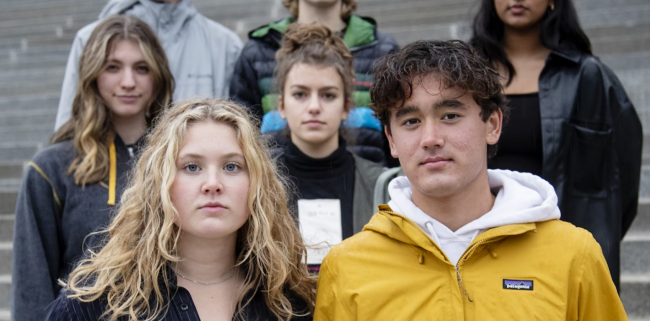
(458, 241)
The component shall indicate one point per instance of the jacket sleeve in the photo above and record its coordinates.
(232, 54)
(330, 303)
(36, 257)
(244, 87)
(628, 144)
(597, 299)
(70, 80)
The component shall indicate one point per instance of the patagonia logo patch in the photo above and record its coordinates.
(523, 285)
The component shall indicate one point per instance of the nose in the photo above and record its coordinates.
(128, 79)
(432, 136)
(314, 107)
(213, 183)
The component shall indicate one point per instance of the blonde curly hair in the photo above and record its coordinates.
(348, 7)
(143, 237)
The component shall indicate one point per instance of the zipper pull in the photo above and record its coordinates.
(462, 287)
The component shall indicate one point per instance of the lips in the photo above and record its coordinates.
(517, 9)
(213, 207)
(313, 123)
(127, 98)
(435, 162)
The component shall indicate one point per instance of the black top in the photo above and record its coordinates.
(331, 177)
(181, 307)
(520, 144)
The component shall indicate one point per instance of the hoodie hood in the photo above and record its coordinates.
(359, 32)
(520, 198)
(159, 16)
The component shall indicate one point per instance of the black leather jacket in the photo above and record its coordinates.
(592, 140)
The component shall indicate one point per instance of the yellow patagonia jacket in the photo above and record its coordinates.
(392, 270)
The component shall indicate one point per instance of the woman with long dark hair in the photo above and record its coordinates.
(571, 121)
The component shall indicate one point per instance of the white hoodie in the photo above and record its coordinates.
(520, 198)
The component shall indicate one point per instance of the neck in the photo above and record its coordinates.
(320, 150)
(206, 260)
(329, 15)
(130, 129)
(523, 42)
(456, 211)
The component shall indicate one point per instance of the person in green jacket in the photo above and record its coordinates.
(253, 82)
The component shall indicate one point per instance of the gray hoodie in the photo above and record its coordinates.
(201, 53)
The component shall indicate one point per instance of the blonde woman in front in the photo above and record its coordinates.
(203, 231)
(71, 187)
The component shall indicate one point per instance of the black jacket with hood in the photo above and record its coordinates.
(53, 217)
(253, 83)
(592, 140)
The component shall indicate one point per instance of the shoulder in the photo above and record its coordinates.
(56, 156)
(368, 168)
(386, 43)
(71, 309)
(257, 49)
(559, 233)
(216, 30)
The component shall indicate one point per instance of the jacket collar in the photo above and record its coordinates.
(400, 228)
(573, 56)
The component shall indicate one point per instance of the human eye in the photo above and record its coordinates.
(410, 122)
(299, 94)
(329, 96)
(232, 167)
(142, 69)
(450, 116)
(112, 67)
(191, 167)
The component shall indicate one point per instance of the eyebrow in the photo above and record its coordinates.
(198, 156)
(324, 88)
(121, 62)
(447, 103)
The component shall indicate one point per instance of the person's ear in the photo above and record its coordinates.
(389, 136)
(494, 126)
(281, 107)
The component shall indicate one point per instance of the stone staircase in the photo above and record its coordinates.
(35, 37)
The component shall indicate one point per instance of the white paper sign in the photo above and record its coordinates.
(320, 225)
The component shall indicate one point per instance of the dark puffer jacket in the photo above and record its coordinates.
(253, 84)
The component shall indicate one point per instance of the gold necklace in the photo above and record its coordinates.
(203, 283)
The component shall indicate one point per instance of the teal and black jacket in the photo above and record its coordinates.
(252, 83)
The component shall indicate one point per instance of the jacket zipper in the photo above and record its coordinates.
(464, 257)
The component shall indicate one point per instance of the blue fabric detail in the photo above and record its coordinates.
(362, 117)
(272, 121)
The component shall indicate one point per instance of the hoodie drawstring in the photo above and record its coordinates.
(112, 174)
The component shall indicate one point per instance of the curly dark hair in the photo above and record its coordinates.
(455, 62)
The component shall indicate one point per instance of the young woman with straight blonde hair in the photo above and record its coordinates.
(71, 187)
(203, 231)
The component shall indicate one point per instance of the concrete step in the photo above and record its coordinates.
(35, 118)
(16, 153)
(41, 134)
(6, 227)
(29, 102)
(641, 224)
(5, 258)
(8, 201)
(635, 253)
(5, 292)
(635, 294)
